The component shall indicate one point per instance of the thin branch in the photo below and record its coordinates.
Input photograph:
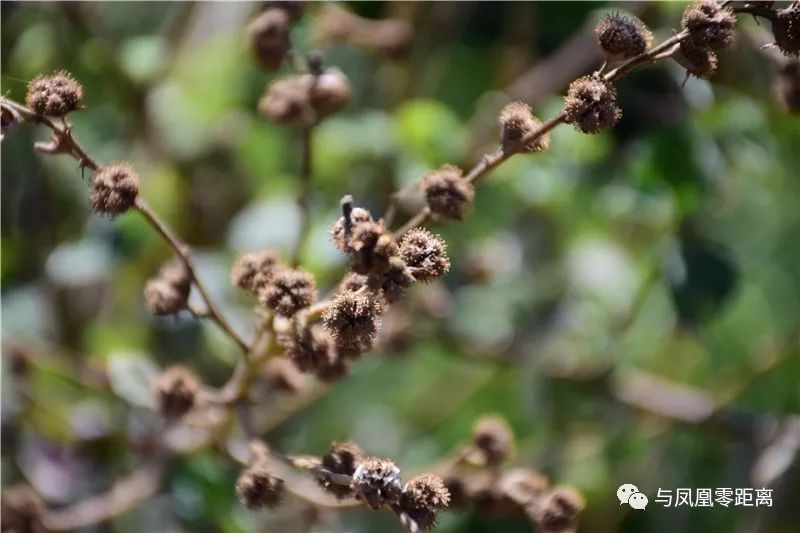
(123, 496)
(304, 195)
(63, 135)
(184, 252)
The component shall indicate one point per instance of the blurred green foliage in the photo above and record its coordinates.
(682, 224)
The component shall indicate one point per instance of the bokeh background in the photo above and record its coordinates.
(591, 284)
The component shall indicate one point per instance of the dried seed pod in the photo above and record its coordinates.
(286, 101)
(176, 392)
(700, 62)
(253, 270)
(22, 510)
(787, 86)
(377, 481)
(516, 121)
(343, 230)
(493, 437)
(114, 189)
(709, 24)
(558, 511)
(257, 488)
(268, 37)
(622, 36)
(392, 280)
(54, 95)
(447, 192)
(425, 254)
(591, 104)
(786, 28)
(352, 281)
(342, 458)
(312, 350)
(521, 485)
(331, 91)
(168, 292)
(288, 291)
(422, 496)
(353, 319)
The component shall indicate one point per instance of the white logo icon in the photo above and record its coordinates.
(628, 493)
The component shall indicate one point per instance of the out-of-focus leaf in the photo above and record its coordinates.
(429, 130)
(132, 375)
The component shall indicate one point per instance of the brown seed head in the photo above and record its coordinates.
(622, 36)
(494, 438)
(342, 231)
(425, 254)
(286, 101)
(313, 350)
(288, 291)
(559, 510)
(377, 481)
(168, 292)
(786, 28)
(22, 510)
(114, 189)
(516, 121)
(54, 95)
(447, 193)
(330, 92)
(342, 458)
(393, 279)
(422, 496)
(709, 25)
(700, 62)
(353, 319)
(176, 392)
(257, 488)
(268, 37)
(253, 270)
(591, 104)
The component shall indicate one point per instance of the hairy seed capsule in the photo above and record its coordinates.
(353, 319)
(331, 91)
(422, 496)
(54, 95)
(709, 25)
(425, 254)
(700, 62)
(268, 37)
(393, 279)
(253, 270)
(22, 510)
(257, 488)
(591, 104)
(516, 121)
(288, 291)
(786, 28)
(168, 292)
(114, 189)
(559, 510)
(313, 350)
(342, 231)
(342, 458)
(493, 437)
(447, 193)
(377, 481)
(622, 36)
(176, 392)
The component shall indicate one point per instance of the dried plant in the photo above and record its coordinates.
(324, 336)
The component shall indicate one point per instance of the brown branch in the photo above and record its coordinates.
(184, 252)
(68, 144)
(304, 195)
(123, 496)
